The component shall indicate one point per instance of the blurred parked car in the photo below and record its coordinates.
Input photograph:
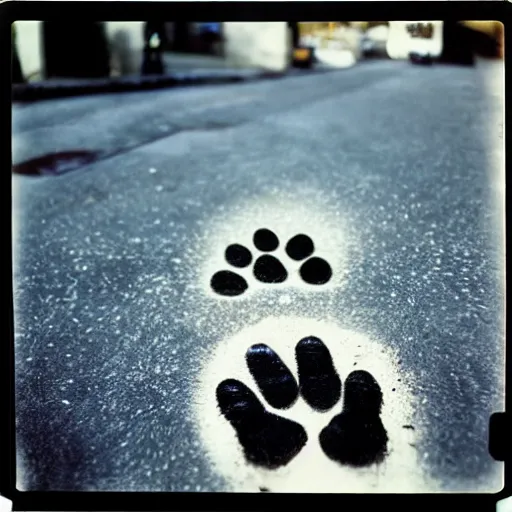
(374, 40)
(421, 58)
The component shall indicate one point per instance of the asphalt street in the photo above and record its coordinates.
(105, 356)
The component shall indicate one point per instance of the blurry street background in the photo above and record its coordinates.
(113, 49)
(401, 121)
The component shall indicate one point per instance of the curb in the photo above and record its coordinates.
(37, 91)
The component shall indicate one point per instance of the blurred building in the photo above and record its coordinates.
(59, 49)
(419, 36)
(29, 46)
(494, 32)
(75, 50)
(448, 41)
(468, 39)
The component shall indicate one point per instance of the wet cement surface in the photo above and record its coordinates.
(105, 357)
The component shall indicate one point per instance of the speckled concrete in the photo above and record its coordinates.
(105, 356)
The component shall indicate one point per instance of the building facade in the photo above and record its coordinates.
(264, 45)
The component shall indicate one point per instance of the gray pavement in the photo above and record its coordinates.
(185, 61)
(409, 151)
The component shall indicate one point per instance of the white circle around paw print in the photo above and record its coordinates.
(311, 470)
(286, 218)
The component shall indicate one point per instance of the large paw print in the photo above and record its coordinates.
(355, 436)
(268, 268)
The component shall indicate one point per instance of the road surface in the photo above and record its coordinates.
(113, 314)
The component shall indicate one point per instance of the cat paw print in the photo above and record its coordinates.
(355, 436)
(267, 268)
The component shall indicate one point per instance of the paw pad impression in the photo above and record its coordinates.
(267, 268)
(354, 437)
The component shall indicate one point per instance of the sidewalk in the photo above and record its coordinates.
(35, 91)
(188, 61)
(181, 70)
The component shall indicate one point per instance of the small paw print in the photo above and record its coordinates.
(354, 437)
(267, 268)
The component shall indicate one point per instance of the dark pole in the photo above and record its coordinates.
(294, 26)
